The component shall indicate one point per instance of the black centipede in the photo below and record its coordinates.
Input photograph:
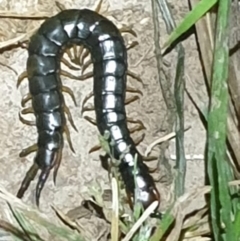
(109, 57)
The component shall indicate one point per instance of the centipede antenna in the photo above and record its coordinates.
(40, 184)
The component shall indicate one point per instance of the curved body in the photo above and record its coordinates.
(109, 57)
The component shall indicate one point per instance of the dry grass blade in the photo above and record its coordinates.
(23, 214)
(30, 15)
(15, 232)
(141, 220)
(160, 140)
(185, 206)
(18, 39)
(115, 211)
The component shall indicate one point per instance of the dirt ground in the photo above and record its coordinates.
(80, 171)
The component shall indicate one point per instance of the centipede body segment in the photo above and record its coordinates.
(109, 57)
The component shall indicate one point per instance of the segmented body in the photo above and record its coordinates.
(109, 57)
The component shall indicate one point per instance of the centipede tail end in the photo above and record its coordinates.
(41, 182)
(32, 172)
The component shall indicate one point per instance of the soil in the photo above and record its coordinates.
(80, 171)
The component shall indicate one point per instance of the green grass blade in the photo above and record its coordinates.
(163, 226)
(26, 226)
(179, 102)
(217, 122)
(70, 235)
(192, 17)
(236, 223)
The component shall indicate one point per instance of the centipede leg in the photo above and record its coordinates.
(136, 128)
(60, 6)
(66, 130)
(86, 65)
(139, 140)
(70, 92)
(27, 122)
(81, 77)
(98, 6)
(90, 95)
(90, 119)
(25, 99)
(32, 172)
(132, 45)
(69, 115)
(131, 99)
(75, 57)
(28, 110)
(133, 90)
(21, 77)
(134, 76)
(28, 150)
(69, 65)
(90, 107)
(94, 148)
(139, 122)
(149, 158)
(126, 29)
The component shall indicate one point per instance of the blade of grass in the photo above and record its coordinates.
(192, 17)
(17, 234)
(166, 88)
(217, 125)
(25, 225)
(163, 226)
(70, 235)
(179, 102)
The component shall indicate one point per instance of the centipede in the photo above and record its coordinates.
(109, 58)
